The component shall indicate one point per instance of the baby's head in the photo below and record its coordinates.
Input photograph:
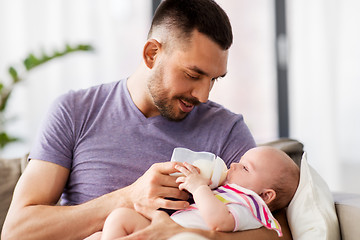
(269, 172)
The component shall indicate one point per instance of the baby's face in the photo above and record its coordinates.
(254, 171)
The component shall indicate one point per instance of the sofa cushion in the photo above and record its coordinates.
(311, 213)
(10, 170)
(348, 212)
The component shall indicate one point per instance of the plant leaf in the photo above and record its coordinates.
(31, 61)
(14, 75)
(5, 139)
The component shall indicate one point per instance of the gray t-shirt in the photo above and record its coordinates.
(107, 143)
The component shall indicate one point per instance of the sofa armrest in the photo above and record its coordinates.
(10, 171)
(348, 212)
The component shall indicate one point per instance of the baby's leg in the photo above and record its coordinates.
(122, 222)
(95, 236)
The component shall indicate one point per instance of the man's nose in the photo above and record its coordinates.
(201, 90)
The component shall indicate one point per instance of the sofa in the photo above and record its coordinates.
(347, 205)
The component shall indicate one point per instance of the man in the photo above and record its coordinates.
(109, 146)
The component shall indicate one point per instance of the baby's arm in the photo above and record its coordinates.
(214, 212)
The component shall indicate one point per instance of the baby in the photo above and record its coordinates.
(264, 180)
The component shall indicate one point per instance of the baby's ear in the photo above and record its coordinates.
(268, 195)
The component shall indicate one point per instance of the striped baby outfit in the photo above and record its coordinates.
(232, 193)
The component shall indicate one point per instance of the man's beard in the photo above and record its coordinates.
(164, 103)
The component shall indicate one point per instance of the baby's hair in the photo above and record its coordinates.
(287, 181)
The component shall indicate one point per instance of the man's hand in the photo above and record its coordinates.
(192, 179)
(156, 186)
(161, 227)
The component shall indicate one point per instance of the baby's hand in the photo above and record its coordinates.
(191, 179)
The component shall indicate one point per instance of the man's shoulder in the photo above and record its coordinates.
(102, 89)
(215, 110)
(91, 94)
(83, 101)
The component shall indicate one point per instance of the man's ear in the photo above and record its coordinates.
(151, 49)
(268, 195)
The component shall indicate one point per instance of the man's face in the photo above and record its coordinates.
(183, 76)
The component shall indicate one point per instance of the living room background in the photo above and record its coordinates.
(322, 55)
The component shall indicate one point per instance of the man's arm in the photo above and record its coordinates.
(33, 214)
(163, 227)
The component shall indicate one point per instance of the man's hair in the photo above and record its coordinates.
(285, 186)
(185, 16)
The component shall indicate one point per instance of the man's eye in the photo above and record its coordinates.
(216, 79)
(192, 77)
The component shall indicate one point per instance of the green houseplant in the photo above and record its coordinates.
(16, 76)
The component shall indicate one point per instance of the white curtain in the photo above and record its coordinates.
(324, 86)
